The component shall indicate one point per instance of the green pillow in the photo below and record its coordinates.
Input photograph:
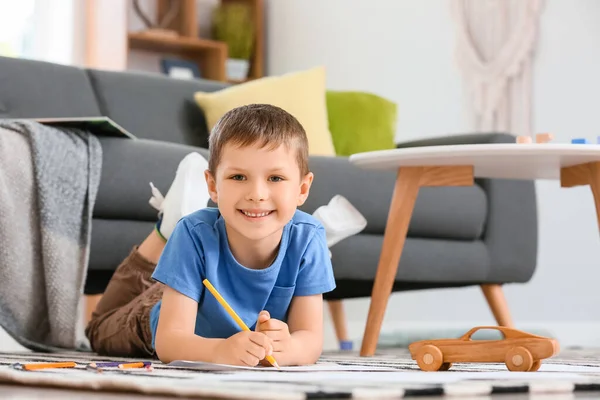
(360, 121)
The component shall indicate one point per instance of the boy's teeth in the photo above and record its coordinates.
(263, 214)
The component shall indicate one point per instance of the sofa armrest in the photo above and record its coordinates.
(511, 231)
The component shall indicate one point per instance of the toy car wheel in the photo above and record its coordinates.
(536, 365)
(445, 366)
(518, 359)
(430, 358)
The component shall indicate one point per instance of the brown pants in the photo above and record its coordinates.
(120, 325)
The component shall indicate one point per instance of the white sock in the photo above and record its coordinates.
(340, 219)
(188, 193)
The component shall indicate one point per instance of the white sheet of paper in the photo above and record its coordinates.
(260, 369)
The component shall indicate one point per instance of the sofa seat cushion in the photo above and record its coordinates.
(423, 260)
(112, 240)
(128, 167)
(440, 212)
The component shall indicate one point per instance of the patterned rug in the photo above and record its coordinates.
(389, 374)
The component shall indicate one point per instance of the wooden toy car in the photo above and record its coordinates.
(520, 351)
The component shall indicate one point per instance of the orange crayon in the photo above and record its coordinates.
(134, 365)
(36, 366)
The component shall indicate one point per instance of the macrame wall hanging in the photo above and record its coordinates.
(495, 45)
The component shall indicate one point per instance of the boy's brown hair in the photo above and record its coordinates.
(268, 125)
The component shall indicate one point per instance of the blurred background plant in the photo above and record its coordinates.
(232, 24)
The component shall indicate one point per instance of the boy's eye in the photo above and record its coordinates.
(237, 177)
(276, 179)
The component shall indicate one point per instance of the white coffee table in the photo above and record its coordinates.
(458, 165)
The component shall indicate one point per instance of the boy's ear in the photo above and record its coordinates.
(211, 183)
(305, 188)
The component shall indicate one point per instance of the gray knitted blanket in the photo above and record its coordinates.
(49, 178)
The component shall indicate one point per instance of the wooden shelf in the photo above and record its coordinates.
(210, 55)
(151, 42)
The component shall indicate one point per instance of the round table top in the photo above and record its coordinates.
(503, 160)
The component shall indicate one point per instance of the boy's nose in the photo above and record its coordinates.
(258, 192)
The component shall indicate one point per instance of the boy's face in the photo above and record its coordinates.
(257, 189)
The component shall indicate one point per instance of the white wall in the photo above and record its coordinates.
(403, 50)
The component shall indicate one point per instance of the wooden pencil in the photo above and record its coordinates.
(234, 315)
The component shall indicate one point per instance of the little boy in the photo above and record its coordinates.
(269, 260)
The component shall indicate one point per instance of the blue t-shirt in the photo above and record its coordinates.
(198, 249)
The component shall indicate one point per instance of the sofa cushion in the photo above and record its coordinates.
(301, 93)
(36, 89)
(128, 167)
(360, 122)
(113, 239)
(440, 212)
(423, 260)
(153, 106)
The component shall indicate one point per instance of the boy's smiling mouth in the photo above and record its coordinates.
(256, 214)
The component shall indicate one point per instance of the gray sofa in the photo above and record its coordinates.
(458, 236)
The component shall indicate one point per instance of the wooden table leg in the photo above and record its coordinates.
(406, 190)
(403, 201)
(584, 174)
(595, 186)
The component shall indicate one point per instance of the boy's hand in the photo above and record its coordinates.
(276, 330)
(245, 348)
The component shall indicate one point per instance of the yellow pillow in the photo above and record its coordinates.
(302, 94)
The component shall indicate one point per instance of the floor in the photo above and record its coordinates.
(16, 392)
(7, 343)
(22, 393)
